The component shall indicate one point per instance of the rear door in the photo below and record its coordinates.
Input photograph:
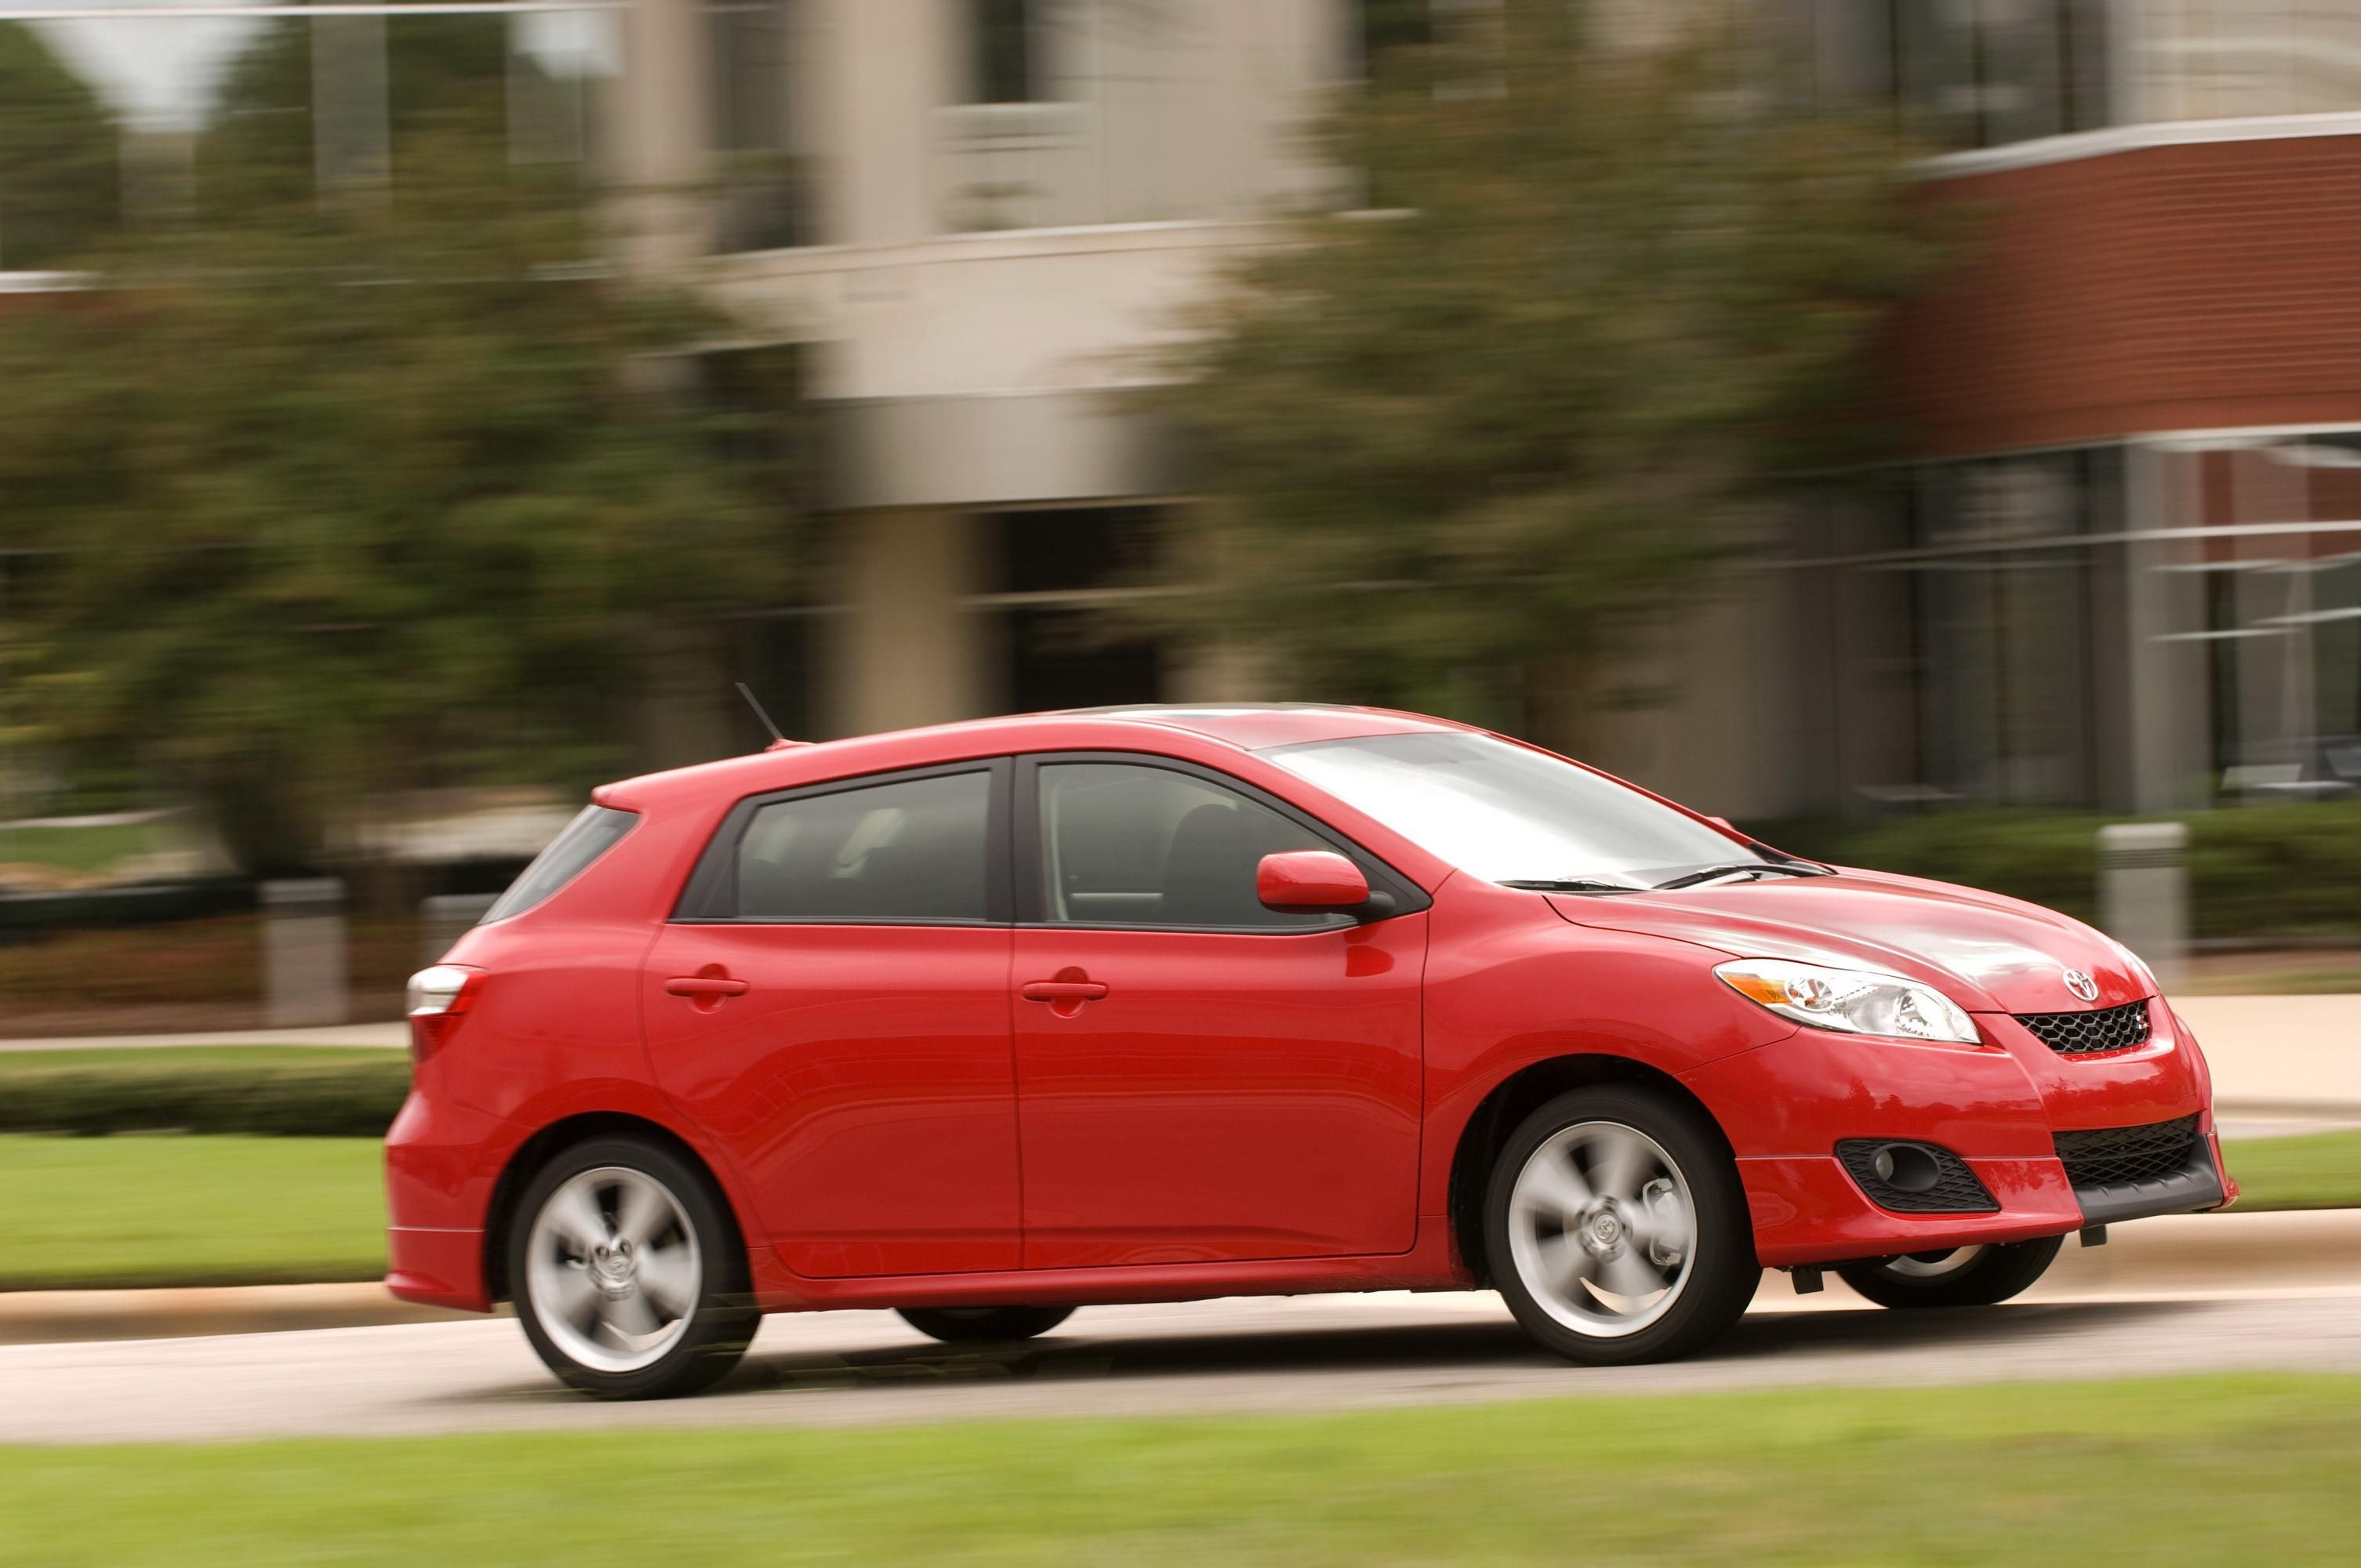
(1202, 1078)
(831, 1004)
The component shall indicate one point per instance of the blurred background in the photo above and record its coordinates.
(1922, 430)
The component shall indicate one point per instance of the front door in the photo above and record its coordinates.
(1201, 1079)
(834, 1011)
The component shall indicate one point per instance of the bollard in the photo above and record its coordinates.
(303, 953)
(442, 920)
(2144, 893)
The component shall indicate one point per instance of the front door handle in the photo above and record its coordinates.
(703, 985)
(1062, 990)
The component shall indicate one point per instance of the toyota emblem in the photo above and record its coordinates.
(2081, 985)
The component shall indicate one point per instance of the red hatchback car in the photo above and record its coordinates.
(985, 1022)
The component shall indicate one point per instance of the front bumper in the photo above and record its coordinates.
(2001, 1106)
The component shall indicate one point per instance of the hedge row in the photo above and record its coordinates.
(2255, 873)
(309, 1100)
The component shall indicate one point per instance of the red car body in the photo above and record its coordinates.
(960, 1115)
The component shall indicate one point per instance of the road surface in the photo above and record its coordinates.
(1331, 1353)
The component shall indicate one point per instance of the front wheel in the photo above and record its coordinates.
(1617, 1230)
(628, 1275)
(1953, 1277)
(984, 1325)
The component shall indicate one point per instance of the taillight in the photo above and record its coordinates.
(439, 998)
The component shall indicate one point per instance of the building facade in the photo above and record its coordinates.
(2125, 571)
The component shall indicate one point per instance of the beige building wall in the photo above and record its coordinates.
(989, 279)
(904, 647)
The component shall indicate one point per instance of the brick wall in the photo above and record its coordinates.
(2174, 287)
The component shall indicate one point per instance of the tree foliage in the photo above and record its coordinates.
(1615, 294)
(360, 492)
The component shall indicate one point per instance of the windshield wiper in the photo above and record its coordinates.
(1760, 868)
(1574, 884)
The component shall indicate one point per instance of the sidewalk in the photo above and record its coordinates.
(2297, 1057)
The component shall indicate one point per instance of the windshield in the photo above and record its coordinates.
(1509, 814)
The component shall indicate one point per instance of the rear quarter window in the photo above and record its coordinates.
(591, 834)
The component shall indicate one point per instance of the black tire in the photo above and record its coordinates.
(1990, 1276)
(1722, 1271)
(722, 1322)
(984, 1325)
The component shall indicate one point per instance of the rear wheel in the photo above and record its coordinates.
(629, 1279)
(1617, 1230)
(984, 1325)
(1953, 1277)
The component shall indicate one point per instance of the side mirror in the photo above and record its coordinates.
(1311, 880)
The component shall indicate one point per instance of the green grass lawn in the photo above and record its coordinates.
(2320, 1171)
(86, 849)
(2196, 1471)
(186, 1211)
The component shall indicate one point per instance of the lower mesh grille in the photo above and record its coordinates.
(1953, 1191)
(2114, 1157)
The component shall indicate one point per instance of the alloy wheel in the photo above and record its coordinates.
(613, 1269)
(1602, 1229)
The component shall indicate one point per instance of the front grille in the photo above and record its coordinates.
(2116, 1157)
(1953, 1188)
(2085, 1033)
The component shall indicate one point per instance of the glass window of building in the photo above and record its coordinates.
(1960, 73)
(1005, 52)
(60, 163)
(2258, 588)
(1061, 570)
(1074, 112)
(119, 115)
(763, 196)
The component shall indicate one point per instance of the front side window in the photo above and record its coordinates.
(591, 834)
(912, 851)
(1126, 844)
(1510, 814)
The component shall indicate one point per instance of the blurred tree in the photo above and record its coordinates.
(58, 156)
(1482, 437)
(344, 496)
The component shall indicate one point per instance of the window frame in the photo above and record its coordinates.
(1031, 891)
(710, 897)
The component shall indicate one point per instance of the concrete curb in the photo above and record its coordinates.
(2294, 1250)
(40, 1317)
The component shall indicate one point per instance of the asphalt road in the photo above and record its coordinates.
(1306, 1354)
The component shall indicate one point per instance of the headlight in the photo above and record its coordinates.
(1854, 1002)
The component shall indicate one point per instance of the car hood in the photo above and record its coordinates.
(1988, 953)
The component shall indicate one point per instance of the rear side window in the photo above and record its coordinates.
(911, 850)
(588, 837)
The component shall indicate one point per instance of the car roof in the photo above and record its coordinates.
(1249, 726)
(1258, 726)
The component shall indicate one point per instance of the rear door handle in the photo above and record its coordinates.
(705, 985)
(1062, 990)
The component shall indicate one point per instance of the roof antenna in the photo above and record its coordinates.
(777, 739)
